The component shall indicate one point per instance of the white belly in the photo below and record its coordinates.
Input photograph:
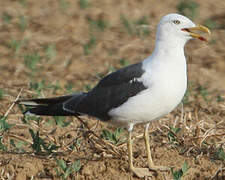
(165, 92)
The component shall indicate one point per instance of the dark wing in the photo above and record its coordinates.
(112, 91)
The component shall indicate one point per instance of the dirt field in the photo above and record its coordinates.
(50, 48)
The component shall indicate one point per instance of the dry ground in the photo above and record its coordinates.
(50, 48)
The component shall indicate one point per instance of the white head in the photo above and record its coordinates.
(175, 28)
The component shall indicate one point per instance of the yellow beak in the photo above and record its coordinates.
(197, 28)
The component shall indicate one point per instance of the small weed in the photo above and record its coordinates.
(84, 4)
(23, 2)
(114, 137)
(87, 87)
(98, 24)
(4, 126)
(142, 24)
(64, 5)
(39, 144)
(22, 23)
(218, 98)
(211, 24)
(37, 141)
(27, 119)
(1, 93)
(50, 51)
(6, 18)
(179, 173)
(142, 21)
(89, 45)
(64, 170)
(2, 146)
(54, 87)
(188, 8)
(15, 46)
(128, 25)
(111, 68)
(31, 61)
(38, 87)
(138, 26)
(18, 145)
(172, 135)
(69, 88)
(219, 154)
(124, 62)
(76, 143)
(60, 121)
(203, 91)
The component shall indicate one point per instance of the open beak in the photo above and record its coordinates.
(197, 28)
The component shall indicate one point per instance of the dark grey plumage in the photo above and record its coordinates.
(112, 91)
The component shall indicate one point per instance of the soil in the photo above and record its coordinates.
(75, 44)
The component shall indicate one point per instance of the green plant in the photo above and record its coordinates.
(128, 25)
(138, 26)
(188, 8)
(203, 91)
(2, 146)
(172, 135)
(142, 23)
(69, 88)
(219, 98)
(39, 144)
(38, 87)
(6, 17)
(31, 61)
(219, 154)
(211, 24)
(54, 87)
(50, 51)
(64, 170)
(37, 141)
(23, 2)
(111, 68)
(98, 24)
(114, 137)
(27, 119)
(179, 173)
(64, 5)
(89, 45)
(84, 4)
(4, 126)
(1, 93)
(60, 121)
(76, 143)
(15, 46)
(18, 145)
(22, 23)
(124, 62)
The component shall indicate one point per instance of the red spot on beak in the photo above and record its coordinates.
(185, 29)
(202, 38)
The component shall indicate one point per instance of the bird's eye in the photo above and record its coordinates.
(176, 22)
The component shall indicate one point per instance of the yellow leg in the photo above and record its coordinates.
(139, 172)
(150, 161)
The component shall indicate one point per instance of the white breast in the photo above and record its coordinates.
(166, 82)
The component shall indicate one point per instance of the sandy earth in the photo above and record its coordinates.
(75, 50)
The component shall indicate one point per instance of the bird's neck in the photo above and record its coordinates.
(167, 53)
(167, 46)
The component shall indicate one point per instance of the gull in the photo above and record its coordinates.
(136, 94)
